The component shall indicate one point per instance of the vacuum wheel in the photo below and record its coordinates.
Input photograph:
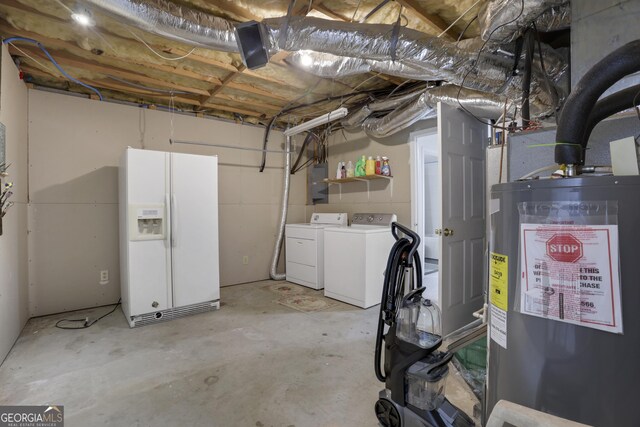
(387, 414)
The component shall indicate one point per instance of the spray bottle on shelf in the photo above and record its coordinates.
(378, 166)
(386, 170)
(343, 171)
(339, 171)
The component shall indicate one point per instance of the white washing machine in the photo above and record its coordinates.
(305, 248)
(355, 259)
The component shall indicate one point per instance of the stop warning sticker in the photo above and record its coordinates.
(570, 273)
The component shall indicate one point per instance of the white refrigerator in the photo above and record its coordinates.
(168, 235)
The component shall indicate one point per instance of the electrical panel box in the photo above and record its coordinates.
(318, 189)
(147, 222)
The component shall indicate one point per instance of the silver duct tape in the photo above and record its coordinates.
(167, 19)
(555, 18)
(503, 20)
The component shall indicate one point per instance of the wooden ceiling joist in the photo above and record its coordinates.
(146, 94)
(431, 18)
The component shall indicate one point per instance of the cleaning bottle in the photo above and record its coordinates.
(386, 170)
(360, 164)
(378, 166)
(350, 169)
(339, 171)
(370, 167)
(343, 171)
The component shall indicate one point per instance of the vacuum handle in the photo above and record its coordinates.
(445, 359)
(411, 295)
(415, 239)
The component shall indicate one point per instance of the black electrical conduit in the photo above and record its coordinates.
(570, 145)
(307, 140)
(529, 48)
(612, 104)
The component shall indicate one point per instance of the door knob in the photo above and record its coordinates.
(154, 304)
(448, 232)
(438, 232)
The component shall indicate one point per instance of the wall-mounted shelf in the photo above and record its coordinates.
(365, 178)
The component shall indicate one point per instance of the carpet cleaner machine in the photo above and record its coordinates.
(415, 371)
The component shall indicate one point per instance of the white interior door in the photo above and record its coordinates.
(462, 243)
(194, 223)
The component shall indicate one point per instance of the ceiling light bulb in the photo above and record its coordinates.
(306, 60)
(82, 19)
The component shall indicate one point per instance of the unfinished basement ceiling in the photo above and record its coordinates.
(112, 56)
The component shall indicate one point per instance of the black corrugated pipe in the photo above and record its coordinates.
(612, 104)
(570, 146)
(529, 47)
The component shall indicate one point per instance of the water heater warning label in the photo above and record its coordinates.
(498, 287)
(570, 274)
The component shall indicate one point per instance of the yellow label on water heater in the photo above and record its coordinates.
(498, 280)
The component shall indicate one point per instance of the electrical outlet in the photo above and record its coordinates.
(245, 260)
(104, 277)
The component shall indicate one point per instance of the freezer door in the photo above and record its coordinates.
(146, 276)
(194, 225)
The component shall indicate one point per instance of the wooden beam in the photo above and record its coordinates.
(73, 61)
(323, 9)
(431, 18)
(181, 99)
(177, 50)
(213, 93)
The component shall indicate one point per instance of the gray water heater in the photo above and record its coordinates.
(570, 370)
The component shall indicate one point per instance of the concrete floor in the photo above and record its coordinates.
(252, 363)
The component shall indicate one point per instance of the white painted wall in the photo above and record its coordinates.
(13, 243)
(75, 148)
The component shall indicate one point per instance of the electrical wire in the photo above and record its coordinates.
(459, 18)
(476, 64)
(86, 323)
(53, 61)
(465, 29)
(158, 54)
(46, 67)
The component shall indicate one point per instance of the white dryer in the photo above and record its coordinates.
(305, 249)
(355, 258)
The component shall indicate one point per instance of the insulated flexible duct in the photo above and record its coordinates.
(168, 19)
(504, 20)
(479, 104)
(434, 58)
(347, 47)
(277, 248)
(621, 62)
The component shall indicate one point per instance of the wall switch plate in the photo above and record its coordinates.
(104, 277)
(245, 260)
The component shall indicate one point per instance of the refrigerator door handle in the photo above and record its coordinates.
(167, 222)
(174, 220)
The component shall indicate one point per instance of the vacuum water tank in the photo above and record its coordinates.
(575, 372)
